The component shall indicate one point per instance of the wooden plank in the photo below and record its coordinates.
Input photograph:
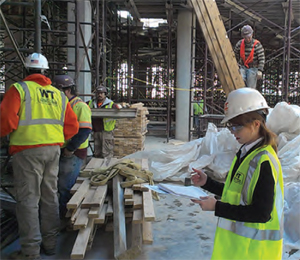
(82, 219)
(218, 43)
(75, 214)
(88, 197)
(120, 244)
(138, 200)
(79, 195)
(137, 217)
(80, 245)
(101, 218)
(147, 233)
(128, 193)
(75, 187)
(129, 201)
(135, 243)
(110, 210)
(96, 199)
(148, 207)
(99, 196)
(136, 186)
(94, 212)
(81, 179)
(94, 163)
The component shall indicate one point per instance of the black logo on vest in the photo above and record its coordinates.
(47, 97)
(238, 178)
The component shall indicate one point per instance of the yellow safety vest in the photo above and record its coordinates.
(198, 108)
(236, 240)
(41, 115)
(83, 113)
(109, 123)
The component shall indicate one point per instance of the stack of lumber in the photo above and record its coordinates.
(113, 206)
(130, 133)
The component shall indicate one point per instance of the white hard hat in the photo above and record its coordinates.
(36, 61)
(241, 101)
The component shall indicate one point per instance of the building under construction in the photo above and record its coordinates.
(154, 52)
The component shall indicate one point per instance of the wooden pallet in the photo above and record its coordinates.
(220, 48)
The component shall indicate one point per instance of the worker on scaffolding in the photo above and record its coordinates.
(74, 151)
(198, 110)
(103, 127)
(250, 56)
(38, 118)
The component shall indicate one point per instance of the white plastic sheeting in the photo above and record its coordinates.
(216, 151)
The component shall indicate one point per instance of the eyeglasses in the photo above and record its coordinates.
(234, 128)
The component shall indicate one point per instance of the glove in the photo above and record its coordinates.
(259, 74)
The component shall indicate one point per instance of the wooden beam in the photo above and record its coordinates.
(220, 48)
(120, 244)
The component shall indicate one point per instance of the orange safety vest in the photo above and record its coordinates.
(250, 57)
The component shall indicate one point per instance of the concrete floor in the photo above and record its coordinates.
(181, 230)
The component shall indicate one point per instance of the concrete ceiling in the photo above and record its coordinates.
(268, 17)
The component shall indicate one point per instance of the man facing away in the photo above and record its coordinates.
(38, 119)
(74, 151)
(103, 127)
(198, 110)
(250, 56)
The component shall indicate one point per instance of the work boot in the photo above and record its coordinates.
(48, 251)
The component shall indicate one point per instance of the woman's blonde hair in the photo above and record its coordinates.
(269, 138)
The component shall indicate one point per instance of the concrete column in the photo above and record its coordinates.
(183, 74)
(84, 80)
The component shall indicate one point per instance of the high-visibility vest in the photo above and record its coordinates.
(198, 108)
(235, 240)
(41, 115)
(109, 123)
(83, 113)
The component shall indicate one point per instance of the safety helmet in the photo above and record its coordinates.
(36, 61)
(246, 31)
(102, 89)
(241, 101)
(63, 81)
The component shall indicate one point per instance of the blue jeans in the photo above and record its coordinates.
(69, 169)
(249, 76)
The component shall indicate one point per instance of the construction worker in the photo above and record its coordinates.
(250, 56)
(103, 127)
(38, 119)
(74, 151)
(198, 110)
(250, 211)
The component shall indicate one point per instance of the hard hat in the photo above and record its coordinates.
(241, 101)
(102, 89)
(36, 61)
(63, 81)
(247, 31)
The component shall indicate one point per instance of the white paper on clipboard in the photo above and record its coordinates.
(190, 192)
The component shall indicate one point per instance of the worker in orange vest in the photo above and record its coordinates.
(250, 56)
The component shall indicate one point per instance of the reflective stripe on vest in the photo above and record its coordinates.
(109, 123)
(240, 229)
(84, 118)
(28, 111)
(41, 115)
